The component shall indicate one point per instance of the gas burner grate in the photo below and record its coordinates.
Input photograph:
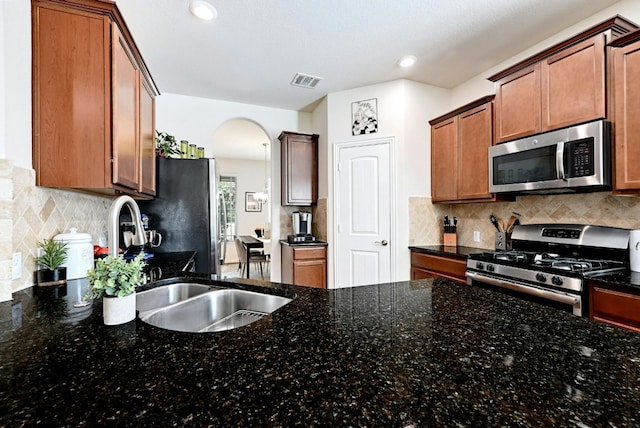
(510, 256)
(577, 265)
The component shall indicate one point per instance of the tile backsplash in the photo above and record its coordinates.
(601, 208)
(29, 214)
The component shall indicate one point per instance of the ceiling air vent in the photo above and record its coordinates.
(305, 80)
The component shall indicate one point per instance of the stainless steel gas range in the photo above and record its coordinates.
(551, 263)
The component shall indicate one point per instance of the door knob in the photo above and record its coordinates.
(383, 242)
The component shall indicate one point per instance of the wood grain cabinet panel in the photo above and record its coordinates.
(304, 265)
(626, 67)
(573, 85)
(432, 265)
(614, 306)
(92, 94)
(299, 168)
(126, 105)
(444, 161)
(460, 143)
(518, 104)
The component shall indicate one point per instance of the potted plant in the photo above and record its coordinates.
(166, 145)
(53, 256)
(115, 279)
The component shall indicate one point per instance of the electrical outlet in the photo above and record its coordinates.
(16, 266)
(476, 236)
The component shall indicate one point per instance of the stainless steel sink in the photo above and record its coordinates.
(166, 295)
(217, 310)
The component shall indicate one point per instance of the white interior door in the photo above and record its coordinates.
(363, 195)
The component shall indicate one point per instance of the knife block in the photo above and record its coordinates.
(450, 240)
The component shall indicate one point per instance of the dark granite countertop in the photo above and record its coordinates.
(441, 250)
(629, 280)
(317, 243)
(421, 353)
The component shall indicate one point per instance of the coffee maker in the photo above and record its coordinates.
(301, 227)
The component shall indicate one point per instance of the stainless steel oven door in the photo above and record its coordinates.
(572, 301)
(574, 157)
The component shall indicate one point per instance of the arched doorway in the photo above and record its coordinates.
(242, 149)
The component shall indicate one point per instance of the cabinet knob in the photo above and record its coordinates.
(383, 242)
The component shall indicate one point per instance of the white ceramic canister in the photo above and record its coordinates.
(79, 253)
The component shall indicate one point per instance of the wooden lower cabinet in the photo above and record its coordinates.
(304, 265)
(614, 305)
(434, 266)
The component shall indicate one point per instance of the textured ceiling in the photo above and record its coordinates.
(254, 48)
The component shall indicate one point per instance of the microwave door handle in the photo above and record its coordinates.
(560, 161)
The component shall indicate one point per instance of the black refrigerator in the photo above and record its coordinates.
(185, 210)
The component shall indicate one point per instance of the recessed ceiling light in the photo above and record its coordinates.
(203, 10)
(407, 61)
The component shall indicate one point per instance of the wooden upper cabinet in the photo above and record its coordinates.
(573, 85)
(475, 129)
(626, 67)
(460, 142)
(147, 140)
(444, 160)
(560, 86)
(126, 105)
(71, 97)
(92, 94)
(518, 104)
(299, 168)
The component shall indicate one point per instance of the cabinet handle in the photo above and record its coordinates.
(383, 242)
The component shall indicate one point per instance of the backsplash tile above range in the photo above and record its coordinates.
(600, 208)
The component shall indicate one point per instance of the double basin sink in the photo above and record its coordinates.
(201, 308)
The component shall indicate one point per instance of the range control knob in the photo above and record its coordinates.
(491, 268)
(556, 280)
(541, 277)
(479, 265)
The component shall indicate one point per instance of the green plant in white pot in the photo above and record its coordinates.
(115, 279)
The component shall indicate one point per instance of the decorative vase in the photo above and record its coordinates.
(51, 278)
(119, 310)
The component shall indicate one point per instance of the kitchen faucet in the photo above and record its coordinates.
(113, 235)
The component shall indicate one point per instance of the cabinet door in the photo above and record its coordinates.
(626, 67)
(312, 273)
(615, 307)
(147, 140)
(71, 97)
(126, 116)
(518, 104)
(444, 161)
(475, 138)
(417, 273)
(573, 85)
(299, 169)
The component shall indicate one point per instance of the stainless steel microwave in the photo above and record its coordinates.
(577, 158)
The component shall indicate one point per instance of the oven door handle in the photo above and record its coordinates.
(560, 161)
(550, 295)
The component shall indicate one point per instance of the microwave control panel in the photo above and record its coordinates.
(579, 158)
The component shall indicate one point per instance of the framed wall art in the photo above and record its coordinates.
(364, 117)
(250, 202)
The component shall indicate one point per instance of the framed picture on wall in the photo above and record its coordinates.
(364, 117)
(250, 202)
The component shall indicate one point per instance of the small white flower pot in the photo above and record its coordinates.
(119, 310)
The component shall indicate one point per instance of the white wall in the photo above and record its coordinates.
(196, 120)
(15, 81)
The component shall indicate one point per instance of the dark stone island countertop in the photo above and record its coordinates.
(421, 353)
